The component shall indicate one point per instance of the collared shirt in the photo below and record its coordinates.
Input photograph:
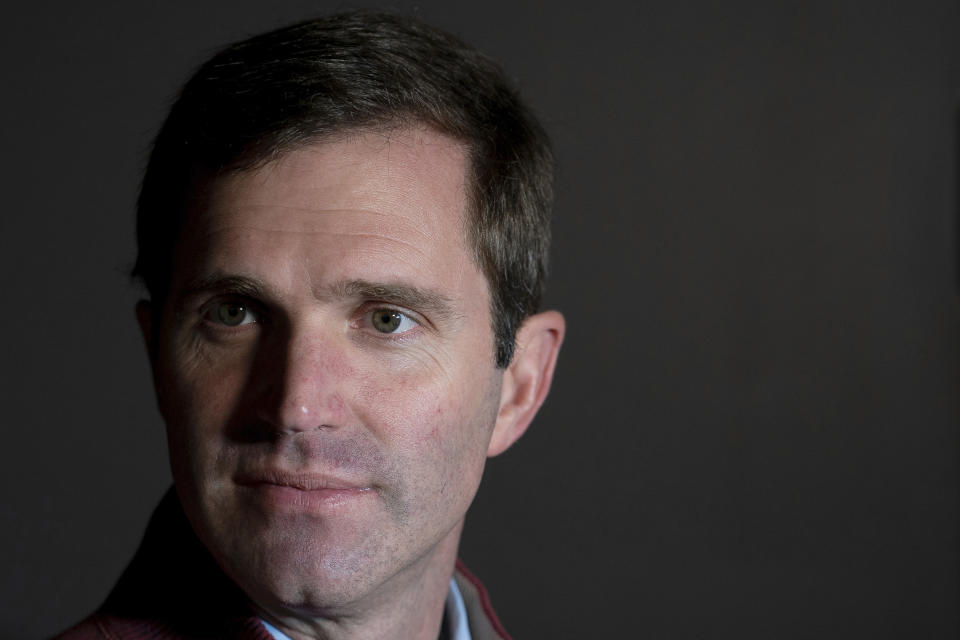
(454, 610)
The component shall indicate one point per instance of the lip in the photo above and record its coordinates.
(301, 490)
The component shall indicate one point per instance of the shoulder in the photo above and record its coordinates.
(88, 629)
(105, 627)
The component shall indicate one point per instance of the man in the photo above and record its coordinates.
(343, 230)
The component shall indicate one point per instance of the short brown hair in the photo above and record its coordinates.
(261, 97)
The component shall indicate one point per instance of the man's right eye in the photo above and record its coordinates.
(231, 314)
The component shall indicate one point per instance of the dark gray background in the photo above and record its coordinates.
(753, 430)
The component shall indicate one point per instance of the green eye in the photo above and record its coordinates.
(233, 314)
(391, 321)
(386, 320)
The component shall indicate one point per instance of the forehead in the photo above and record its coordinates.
(371, 204)
(411, 171)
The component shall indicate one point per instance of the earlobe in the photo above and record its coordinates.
(527, 379)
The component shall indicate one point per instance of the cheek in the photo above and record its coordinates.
(441, 419)
(197, 394)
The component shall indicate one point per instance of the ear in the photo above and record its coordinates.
(527, 379)
(145, 319)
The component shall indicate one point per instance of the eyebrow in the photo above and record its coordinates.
(215, 282)
(219, 283)
(414, 298)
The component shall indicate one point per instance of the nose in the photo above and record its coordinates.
(304, 374)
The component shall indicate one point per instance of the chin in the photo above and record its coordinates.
(325, 587)
(299, 567)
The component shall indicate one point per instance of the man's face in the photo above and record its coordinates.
(325, 368)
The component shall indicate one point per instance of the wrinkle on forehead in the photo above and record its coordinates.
(378, 237)
(260, 218)
(362, 180)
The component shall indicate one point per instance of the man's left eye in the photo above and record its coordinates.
(231, 314)
(391, 321)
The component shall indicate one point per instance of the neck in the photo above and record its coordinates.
(409, 606)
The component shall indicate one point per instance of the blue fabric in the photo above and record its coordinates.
(272, 630)
(457, 613)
